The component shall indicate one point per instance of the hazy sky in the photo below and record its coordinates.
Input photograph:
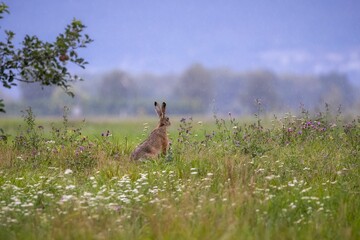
(168, 36)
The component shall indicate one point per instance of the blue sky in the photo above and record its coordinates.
(168, 36)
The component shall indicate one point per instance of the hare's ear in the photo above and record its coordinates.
(163, 108)
(157, 109)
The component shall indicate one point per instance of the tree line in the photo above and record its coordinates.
(196, 90)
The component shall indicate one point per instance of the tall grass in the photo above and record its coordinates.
(296, 178)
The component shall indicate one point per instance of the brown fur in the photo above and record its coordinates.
(157, 143)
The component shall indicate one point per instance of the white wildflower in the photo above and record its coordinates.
(65, 198)
(306, 190)
(70, 187)
(270, 177)
(68, 171)
(27, 205)
(299, 221)
(292, 205)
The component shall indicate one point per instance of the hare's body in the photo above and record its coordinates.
(157, 143)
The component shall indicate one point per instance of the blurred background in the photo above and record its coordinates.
(198, 56)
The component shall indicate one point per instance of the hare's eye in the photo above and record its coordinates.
(167, 119)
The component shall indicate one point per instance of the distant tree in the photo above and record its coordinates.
(33, 92)
(59, 100)
(260, 85)
(115, 91)
(227, 85)
(196, 88)
(295, 90)
(36, 96)
(336, 90)
(41, 62)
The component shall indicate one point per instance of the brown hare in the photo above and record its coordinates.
(158, 141)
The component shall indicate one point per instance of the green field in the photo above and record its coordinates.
(290, 177)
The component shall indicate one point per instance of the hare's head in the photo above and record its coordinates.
(164, 120)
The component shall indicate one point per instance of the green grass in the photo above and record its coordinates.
(297, 178)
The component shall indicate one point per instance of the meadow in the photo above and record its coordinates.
(286, 177)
